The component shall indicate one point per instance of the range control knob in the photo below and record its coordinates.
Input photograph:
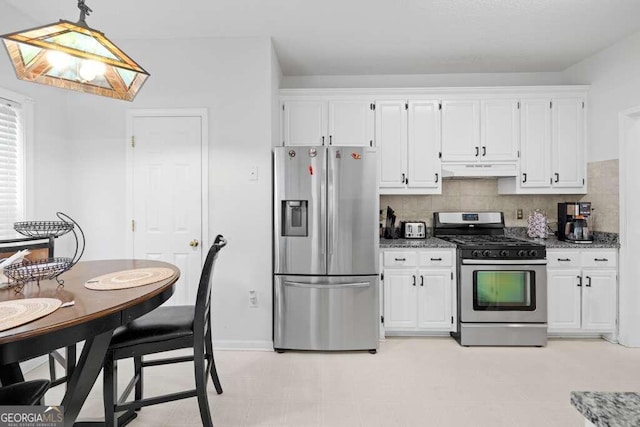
(475, 254)
(522, 253)
(486, 253)
(504, 253)
(533, 253)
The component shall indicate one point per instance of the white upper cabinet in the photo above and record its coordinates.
(535, 143)
(460, 131)
(321, 122)
(304, 122)
(351, 123)
(391, 139)
(552, 145)
(567, 142)
(408, 140)
(424, 144)
(499, 130)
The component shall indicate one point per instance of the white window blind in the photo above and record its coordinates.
(11, 167)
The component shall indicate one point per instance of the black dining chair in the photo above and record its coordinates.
(165, 329)
(24, 393)
(42, 248)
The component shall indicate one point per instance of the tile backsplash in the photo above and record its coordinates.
(482, 195)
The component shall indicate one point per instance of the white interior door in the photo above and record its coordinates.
(167, 196)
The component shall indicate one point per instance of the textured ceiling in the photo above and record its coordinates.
(352, 37)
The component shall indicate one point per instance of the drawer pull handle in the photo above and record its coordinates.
(414, 280)
(601, 259)
(588, 281)
(436, 259)
(564, 259)
(401, 259)
(579, 281)
(421, 280)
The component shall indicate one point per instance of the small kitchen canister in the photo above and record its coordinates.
(537, 225)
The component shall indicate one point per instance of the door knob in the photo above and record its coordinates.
(194, 243)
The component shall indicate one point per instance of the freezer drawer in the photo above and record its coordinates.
(326, 313)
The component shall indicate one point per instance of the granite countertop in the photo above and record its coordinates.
(429, 242)
(610, 409)
(600, 240)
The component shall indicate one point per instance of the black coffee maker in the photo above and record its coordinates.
(573, 222)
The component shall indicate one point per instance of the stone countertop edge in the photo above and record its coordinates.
(430, 242)
(610, 409)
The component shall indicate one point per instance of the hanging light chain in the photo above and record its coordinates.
(84, 12)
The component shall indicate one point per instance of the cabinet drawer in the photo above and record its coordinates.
(563, 259)
(400, 259)
(593, 258)
(435, 258)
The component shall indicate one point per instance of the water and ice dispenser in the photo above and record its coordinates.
(294, 218)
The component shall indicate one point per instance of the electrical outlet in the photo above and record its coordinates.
(519, 214)
(253, 299)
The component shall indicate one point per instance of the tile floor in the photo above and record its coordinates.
(410, 382)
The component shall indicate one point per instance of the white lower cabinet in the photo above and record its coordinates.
(582, 290)
(418, 290)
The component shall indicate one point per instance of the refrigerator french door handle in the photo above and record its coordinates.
(332, 208)
(324, 286)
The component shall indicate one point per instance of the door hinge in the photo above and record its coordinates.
(133, 141)
(382, 319)
(133, 225)
(452, 275)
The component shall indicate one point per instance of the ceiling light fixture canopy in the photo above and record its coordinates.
(74, 56)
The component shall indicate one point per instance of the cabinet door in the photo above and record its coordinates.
(391, 139)
(535, 143)
(567, 143)
(434, 299)
(563, 298)
(499, 130)
(400, 288)
(424, 144)
(460, 131)
(305, 122)
(599, 306)
(351, 123)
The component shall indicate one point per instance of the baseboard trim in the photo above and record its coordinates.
(242, 345)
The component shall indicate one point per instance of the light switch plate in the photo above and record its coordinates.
(253, 174)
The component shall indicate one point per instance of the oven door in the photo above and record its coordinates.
(503, 291)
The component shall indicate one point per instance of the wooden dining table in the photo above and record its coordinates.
(92, 319)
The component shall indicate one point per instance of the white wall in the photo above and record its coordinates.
(424, 80)
(276, 81)
(232, 79)
(614, 76)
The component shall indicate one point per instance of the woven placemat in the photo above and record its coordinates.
(18, 312)
(128, 279)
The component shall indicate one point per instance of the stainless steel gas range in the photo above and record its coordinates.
(502, 282)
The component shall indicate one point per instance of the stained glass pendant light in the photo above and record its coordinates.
(73, 56)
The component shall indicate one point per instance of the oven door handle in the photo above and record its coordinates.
(504, 262)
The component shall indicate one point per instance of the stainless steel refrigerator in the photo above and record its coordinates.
(326, 237)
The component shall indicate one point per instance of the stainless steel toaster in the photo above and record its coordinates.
(413, 229)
